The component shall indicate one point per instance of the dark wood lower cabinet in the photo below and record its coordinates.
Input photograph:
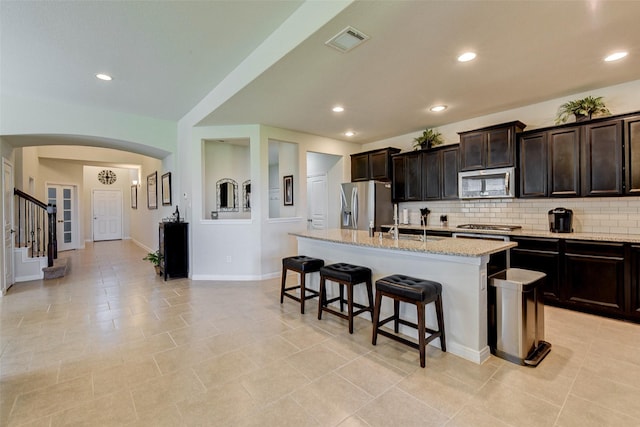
(634, 285)
(594, 276)
(540, 255)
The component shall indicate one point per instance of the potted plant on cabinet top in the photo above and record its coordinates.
(154, 258)
(582, 109)
(429, 138)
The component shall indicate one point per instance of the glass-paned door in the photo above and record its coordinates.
(63, 196)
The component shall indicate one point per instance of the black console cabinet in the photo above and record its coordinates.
(174, 249)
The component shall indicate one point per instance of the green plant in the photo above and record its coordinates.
(153, 257)
(429, 138)
(582, 108)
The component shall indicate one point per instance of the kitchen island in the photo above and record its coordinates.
(460, 265)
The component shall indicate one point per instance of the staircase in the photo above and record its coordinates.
(35, 250)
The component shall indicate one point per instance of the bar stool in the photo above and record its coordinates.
(346, 275)
(302, 265)
(420, 292)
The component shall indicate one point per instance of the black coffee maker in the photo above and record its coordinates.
(560, 220)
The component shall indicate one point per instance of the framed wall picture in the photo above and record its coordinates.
(166, 189)
(152, 191)
(287, 185)
(134, 197)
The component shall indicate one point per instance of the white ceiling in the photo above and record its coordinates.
(167, 56)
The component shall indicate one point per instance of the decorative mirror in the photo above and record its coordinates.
(246, 195)
(227, 195)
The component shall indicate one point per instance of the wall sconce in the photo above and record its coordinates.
(134, 182)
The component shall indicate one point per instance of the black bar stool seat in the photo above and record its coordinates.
(415, 291)
(346, 275)
(302, 265)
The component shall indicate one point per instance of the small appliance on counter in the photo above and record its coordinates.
(561, 220)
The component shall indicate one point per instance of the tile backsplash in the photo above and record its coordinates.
(617, 215)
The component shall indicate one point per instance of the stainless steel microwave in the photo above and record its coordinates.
(486, 184)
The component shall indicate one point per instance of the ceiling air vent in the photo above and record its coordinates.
(347, 39)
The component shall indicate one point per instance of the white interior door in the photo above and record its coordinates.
(318, 201)
(64, 197)
(107, 215)
(7, 221)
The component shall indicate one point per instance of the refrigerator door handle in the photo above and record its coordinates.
(345, 212)
(354, 207)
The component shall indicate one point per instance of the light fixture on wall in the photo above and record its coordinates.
(134, 182)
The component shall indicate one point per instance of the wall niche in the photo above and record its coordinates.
(226, 162)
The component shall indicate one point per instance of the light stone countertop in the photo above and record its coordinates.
(434, 245)
(602, 237)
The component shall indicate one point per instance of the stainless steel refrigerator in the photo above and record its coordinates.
(363, 202)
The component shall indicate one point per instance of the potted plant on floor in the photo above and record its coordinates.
(154, 258)
(583, 109)
(429, 138)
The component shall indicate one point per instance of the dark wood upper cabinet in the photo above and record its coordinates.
(360, 167)
(374, 165)
(472, 151)
(450, 168)
(597, 158)
(533, 165)
(632, 155)
(490, 147)
(407, 177)
(602, 159)
(432, 176)
(380, 166)
(440, 173)
(398, 182)
(413, 171)
(426, 174)
(564, 162)
(501, 147)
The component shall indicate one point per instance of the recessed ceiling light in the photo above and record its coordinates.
(438, 108)
(349, 133)
(337, 109)
(105, 77)
(467, 56)
(615, 56)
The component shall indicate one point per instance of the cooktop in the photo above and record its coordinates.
(493, 227)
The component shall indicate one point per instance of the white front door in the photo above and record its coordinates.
(64, 197)
(318, 200)
(7, 229)
(107, 215)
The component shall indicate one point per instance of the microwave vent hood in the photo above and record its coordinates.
(486, 184)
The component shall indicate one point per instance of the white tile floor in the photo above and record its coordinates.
(113, 344)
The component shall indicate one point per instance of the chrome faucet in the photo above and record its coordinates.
(393, 231)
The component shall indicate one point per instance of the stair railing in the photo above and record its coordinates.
(36, 226)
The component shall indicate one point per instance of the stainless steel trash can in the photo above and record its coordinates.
(516, 316)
